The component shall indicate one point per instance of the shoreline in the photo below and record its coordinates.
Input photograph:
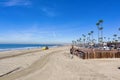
(55, 63)
(21, 59)
(23, 48)
(18, 52)
(12, 53)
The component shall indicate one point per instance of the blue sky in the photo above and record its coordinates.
(56, 21)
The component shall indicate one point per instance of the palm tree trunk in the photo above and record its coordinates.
(92, 38)
(98, 36)
(102, 35)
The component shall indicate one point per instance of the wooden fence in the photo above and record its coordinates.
(94, 53)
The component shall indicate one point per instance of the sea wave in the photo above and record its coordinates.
(24, 48)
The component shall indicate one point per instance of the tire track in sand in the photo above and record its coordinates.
(34, 67)
(20, 54)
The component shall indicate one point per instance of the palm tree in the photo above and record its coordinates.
(80, 40)
(77, 41)
(92, 34)
(105, 39)
(115, 35)
(101, 38)
(98, 25)
(73, 42)
(118, 30)
(101, 21)
(100, 28)
(108, 39)
(113, 39)
(119, 39)
(84, 39)
(89, 36)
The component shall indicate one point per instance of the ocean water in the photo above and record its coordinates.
(7, 47)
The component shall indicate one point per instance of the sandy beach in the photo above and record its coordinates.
(55, 64)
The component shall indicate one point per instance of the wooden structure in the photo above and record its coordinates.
(85, 53)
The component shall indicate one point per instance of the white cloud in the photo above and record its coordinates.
(17, 3)
(48, 11)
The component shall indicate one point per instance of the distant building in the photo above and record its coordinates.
(114, 45)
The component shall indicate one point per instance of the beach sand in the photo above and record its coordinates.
(55, 64)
